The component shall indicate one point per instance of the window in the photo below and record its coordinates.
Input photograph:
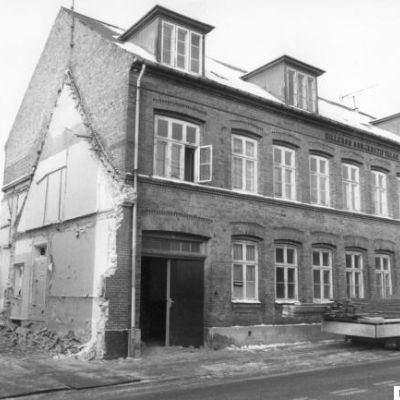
(319, 180)
(351, 187)
(245, 271)
(286, 272)
(177, 151)
(379, 193)
(354, 275)
(302, 90)
(284, 173)
(162, 244)
(54, 195)
(322, 275)
(181, 48)
(244, 164)
(383, 275)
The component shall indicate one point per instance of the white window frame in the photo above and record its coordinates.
(282, 167)
(45, 180)
(380, 195)
(188, 48)
(351, 188)
(353, 271)
(285, 265)
(245, 158)
(319, 176)
(385, 288)
(244, 263)
(322, 268)
(302, 98)
(169, 141)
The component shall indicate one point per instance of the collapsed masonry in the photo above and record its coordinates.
(60, 271)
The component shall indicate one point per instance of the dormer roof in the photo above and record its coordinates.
(287, 60)
(159, 11)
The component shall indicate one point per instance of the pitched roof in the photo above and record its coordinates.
(231, 77)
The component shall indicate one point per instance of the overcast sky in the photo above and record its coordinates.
(355, 41)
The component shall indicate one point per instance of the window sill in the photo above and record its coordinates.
(323, 301)
(244, 191)
(291, 302)
(246, 302)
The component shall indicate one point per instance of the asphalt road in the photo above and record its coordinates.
(372, 381)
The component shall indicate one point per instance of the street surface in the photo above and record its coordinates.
(371, 381)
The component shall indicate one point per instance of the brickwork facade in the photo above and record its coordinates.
(230, 214)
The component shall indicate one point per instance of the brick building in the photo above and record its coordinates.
(152, 193)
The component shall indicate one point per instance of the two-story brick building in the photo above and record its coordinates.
(156, 194)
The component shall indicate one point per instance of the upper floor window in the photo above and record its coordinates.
(284, 173)
(286, 272)
(322, 275)
(54, 195)
(354, 275)
(379, 193)
(177, 151)
(319, 180)
(301, 90)
(383, 275)
(244, 164)
(351, 187)
(245, 271)
(181, 48)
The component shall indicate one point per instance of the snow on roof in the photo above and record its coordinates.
(230, 77)
(347, 116)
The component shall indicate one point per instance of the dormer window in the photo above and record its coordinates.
(301, 90)
(181, 48)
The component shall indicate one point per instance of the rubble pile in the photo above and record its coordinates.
(31, 339)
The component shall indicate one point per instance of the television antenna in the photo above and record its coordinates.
(353, 95)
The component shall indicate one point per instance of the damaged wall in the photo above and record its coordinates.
(72, 217)
(101, 70)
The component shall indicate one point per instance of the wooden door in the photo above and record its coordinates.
(38, 289)
(186, 309)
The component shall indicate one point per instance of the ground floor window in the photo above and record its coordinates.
(354, 275)
(245, 271)
(286, 272)
(383, 275)
(322, 275)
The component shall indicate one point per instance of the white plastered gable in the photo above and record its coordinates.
(69, 179)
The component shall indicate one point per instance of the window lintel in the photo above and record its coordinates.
(377, 168)
(246, 133)
(162, 112)
(246, 238)
(352, 161)
(320, 153)
(283, 143)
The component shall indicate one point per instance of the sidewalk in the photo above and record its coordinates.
(21, 376)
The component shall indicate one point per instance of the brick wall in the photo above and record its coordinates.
(119, 284)
(302, 223)
(101, 72)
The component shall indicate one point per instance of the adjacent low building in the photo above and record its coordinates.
(154, 194)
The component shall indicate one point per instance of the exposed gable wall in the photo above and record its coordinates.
(101, 70)
(77, 228)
